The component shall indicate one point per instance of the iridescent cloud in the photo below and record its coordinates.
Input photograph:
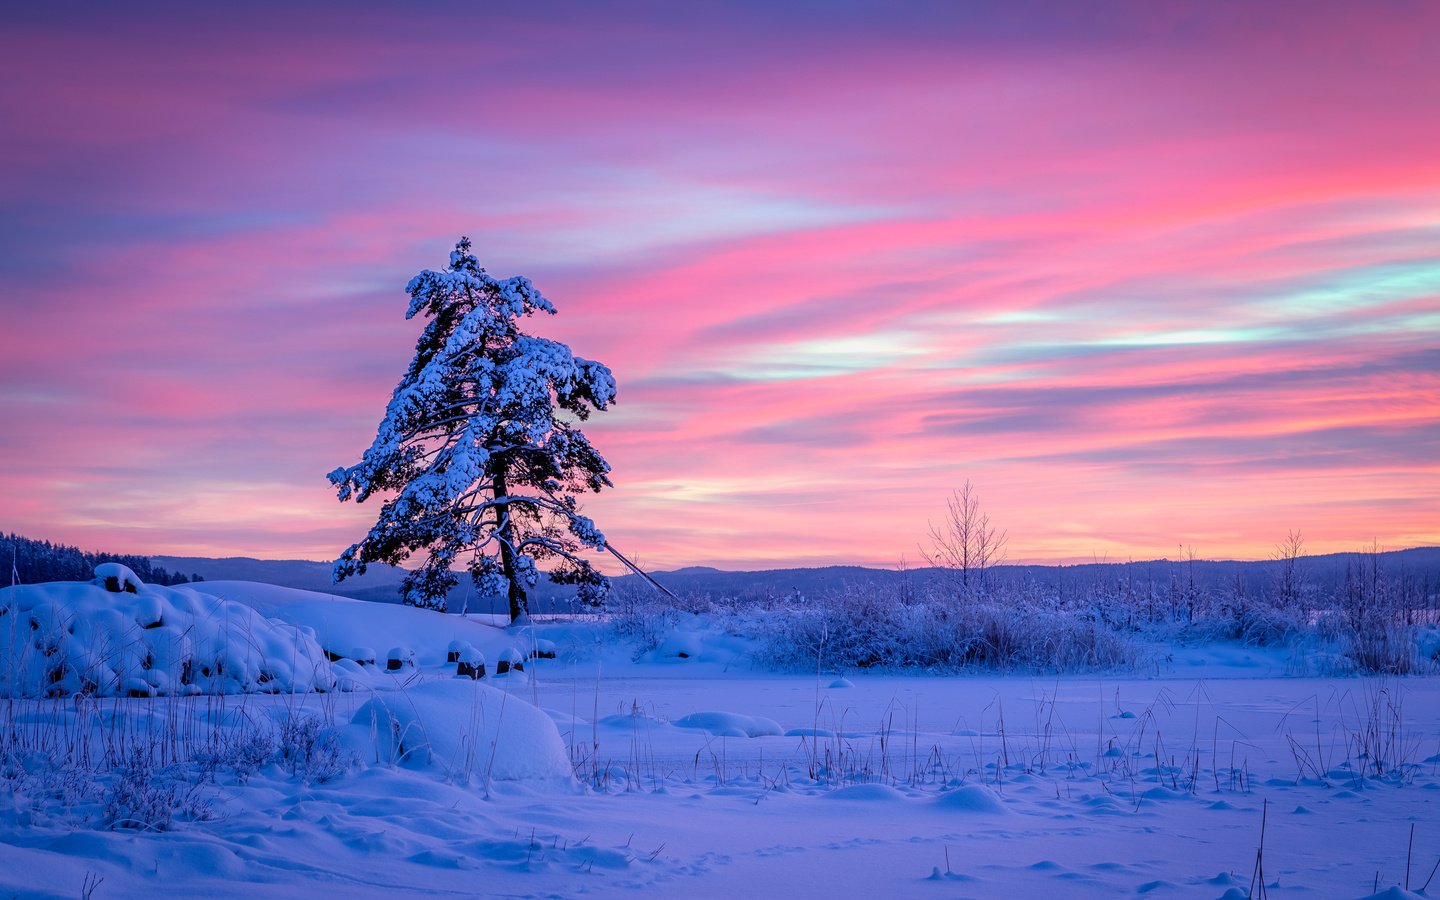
(1148, 277)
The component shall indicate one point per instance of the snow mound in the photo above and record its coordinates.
(468, 730)
(633, 721)
(682, 645)
(1395, 892)
(972, 798)
(726, 724)
(117, 579)
(699, 639)
(117, 636)
(810, 733)
(868, 793)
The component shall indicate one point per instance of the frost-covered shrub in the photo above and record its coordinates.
(642, 617)
(1260, 623)
(1367, 624)
(243, 754)
(311, 751)
(1427, 644)
(301, 742)
(37, 781)
(142, 797)
(1376, 612)
(874, 628)
(1383, 648)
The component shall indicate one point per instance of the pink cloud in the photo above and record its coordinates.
(1146, 280)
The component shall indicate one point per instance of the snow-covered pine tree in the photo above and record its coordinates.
(480, 447)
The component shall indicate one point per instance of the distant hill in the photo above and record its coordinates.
(381, 583)
(1322, 571)
(42, 561)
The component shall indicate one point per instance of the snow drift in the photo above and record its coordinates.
(117, 636)
(468, 730)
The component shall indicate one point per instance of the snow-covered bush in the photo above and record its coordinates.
(1376, 610)
(1387, 648)
(638, 615)
(116, 578)
(1363, 625)
(872, 628)
(142, 797)
(242, 754)
(310, 750)
(142, 640)
(1253, 621)
(892, 628)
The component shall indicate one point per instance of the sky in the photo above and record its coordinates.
(1149, 276)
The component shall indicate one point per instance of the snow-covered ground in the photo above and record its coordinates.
(604, 774)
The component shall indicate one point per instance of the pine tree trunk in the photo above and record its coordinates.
(519, 605)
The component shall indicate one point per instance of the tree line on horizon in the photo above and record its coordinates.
(36, 562)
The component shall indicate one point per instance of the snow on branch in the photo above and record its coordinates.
(482, 422)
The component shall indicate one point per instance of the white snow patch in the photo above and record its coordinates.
(728, 724)
(868, 793)
(971, 798)
(468, 730)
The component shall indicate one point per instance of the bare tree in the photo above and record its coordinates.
(1287, 575)
(965, 542)
(1185, 593)
(907, 591)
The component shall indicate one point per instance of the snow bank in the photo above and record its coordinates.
(469, 730)
(343, 625)
(117, 636)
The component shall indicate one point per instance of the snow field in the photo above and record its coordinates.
(911, 792)
(611, 772)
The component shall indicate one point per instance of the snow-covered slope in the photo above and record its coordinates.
(343, 626)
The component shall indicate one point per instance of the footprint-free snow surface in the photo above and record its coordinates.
(697, 776)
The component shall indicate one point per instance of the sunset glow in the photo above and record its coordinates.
(1147, 278)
